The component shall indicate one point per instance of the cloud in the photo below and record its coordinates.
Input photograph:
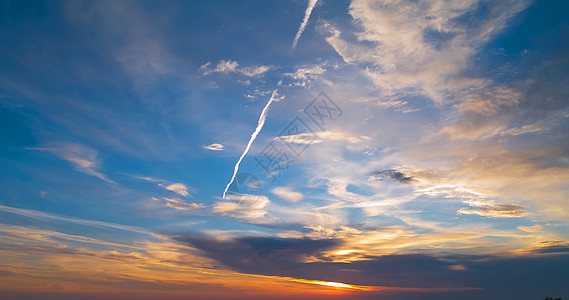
(395, 175)
(254, 71)
(423, 47)
(39, 215)
(246, 207)
(304, 75)
(439, 275)
(552, 119)
(531, 229)
(396, 105)
(33, 235)
(307, 13)
(552, 247)
(152, 179)
(488, 99)
(229, 66)
(322, 136)
(261, 255)
(260, 124)
(287, 194)
(177, 203)
(491, 209)
(214, 147)
(226, 66)
(178, 188)
(83, 158)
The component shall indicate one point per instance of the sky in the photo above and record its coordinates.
(274, 149)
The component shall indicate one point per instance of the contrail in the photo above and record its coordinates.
(311, 4)
(260, 125)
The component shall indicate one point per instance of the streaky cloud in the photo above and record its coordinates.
(260, 125)
(44, 216)
(311, 4)
(83, 158)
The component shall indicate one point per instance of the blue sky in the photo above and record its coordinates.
(420, 144)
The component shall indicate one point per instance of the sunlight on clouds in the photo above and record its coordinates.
(178, 188)
(446, 171)
(404, 59)
(247, 207)
(534, 228)
(491, 209)
(151, 270)
(287, 193)
(322, 136)
(177, 203)
(338, 285)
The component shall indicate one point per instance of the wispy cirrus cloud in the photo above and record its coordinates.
(287, 193)
(410, 48)
(322, 136)
(488, 208)
(177, 203)
(177, 187)
(44, 216)
(83, 158)
(231, 66)
(309, 8)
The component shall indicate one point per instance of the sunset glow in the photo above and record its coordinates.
(306, 149)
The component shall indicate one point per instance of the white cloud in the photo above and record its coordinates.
(205, 68)
(214, 147)
(306, 72)
(83, 158)
(254, 71)
(226, 66)
(307, 13)
(260, 124)
(419, 47)
(304, 75)
(287, 194)
(230, 66)
(246, 207)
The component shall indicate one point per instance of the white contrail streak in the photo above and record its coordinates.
(260, 125)
(311, 4)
